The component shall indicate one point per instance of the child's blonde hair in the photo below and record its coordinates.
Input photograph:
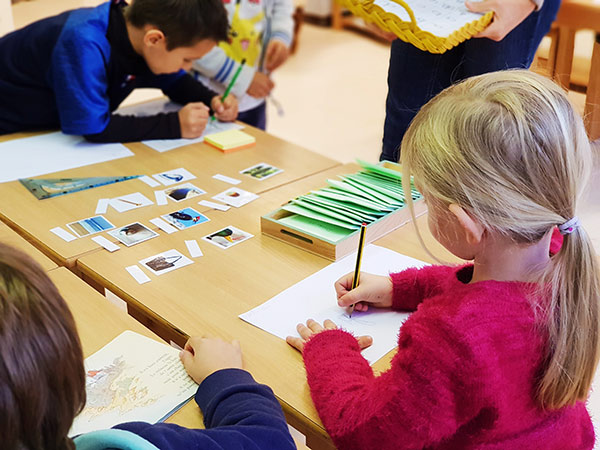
(509, 149)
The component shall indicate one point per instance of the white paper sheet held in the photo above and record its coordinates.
(52, 152)
(314, 298)
(132, 378)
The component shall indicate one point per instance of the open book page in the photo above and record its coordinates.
(315, 298)
(132, 378)
(439, 17)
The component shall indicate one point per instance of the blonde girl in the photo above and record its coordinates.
(500, 353)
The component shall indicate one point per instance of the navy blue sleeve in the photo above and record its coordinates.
(185, 89)
(134, 129)
(79, 80)
(238, 413)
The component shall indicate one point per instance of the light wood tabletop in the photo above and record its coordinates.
(34, 218)
(10, 237)
(207, 296)
(99, 322)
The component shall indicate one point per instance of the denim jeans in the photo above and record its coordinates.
(257, 117)
(415, 76)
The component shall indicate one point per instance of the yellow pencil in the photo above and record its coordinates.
(361, 245)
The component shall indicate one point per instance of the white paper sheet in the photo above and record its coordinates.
(52, 152)
(315, 298)
(164, 145)
(439, 17)
(132, 378)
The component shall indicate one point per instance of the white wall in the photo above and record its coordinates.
(6, 17)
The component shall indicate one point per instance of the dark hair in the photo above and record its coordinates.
(42, 377)
(183, 22)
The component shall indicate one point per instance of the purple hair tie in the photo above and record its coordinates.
(569, 226)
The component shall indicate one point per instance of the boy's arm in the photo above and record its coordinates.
(221, 69)
(185, 89)
(412, 286)
(238, 413)
(133, 129)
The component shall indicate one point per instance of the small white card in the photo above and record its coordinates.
(103, 242)
(166, 262)
(226, 179)
(174, 176)
(137, 274)
(167, 228)
(193, 248)
(235, 197)
(214, 205)
(149, 181)
(130, 201)
(63, 234)
(161, 197)
(102, 206)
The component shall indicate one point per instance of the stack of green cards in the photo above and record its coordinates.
(336, 211)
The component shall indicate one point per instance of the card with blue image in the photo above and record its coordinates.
(92, 225)
(185, 218)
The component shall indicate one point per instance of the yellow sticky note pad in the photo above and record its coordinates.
(230, 140)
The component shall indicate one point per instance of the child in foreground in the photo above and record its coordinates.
(42, 379)
(499, 353)
(73, 70)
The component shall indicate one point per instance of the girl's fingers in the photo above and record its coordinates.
(304, 331)
(329, 325)
(295, 342)
(314, 326)
(364, 342)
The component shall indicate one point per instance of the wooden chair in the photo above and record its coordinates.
(576, 15)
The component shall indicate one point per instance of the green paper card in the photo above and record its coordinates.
(325, 231)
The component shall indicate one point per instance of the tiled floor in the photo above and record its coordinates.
(333, 94)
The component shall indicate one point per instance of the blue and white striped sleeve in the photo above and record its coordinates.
(282, 25)
(219, 67)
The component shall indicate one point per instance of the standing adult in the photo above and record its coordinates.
(416, 76)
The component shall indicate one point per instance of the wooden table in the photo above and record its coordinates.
(99, 322)
(207, 296)
(10, 237)
(34, 218)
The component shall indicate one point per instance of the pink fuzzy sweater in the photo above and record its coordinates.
(463, 378)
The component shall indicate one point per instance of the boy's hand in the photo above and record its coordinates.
(507, 15)
(204, 356)
(225, 111)
(311, 328)
(192, 119)
(277, 53)
(372, 290)
(260, 86)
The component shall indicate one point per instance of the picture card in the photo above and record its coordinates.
(165, 262)
(185, 218)
(92, 225)
(130, 201)
(235, 197)
(183, 192)
(261, 171)
(132, 234)
(174, 176)
(227, 237)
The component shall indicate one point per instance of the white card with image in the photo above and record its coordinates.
(165, 262)
(174, 176)
(227, 237)
(235, 197)
(130, 201)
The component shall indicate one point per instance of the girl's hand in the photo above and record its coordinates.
(204, 356)
(277, 53)
(311, 328)
(260, 86)
(507, 15)
(225, 111)
(372, 290)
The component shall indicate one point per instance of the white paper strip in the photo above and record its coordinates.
(163, 225)
(137, 273)
(161, 198)
(193, 248)
(102, 241)
(63, 234)
(214, 205)
(102, 206)
(226, 179)
(149, 181)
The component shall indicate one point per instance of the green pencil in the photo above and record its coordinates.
(231, 83)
